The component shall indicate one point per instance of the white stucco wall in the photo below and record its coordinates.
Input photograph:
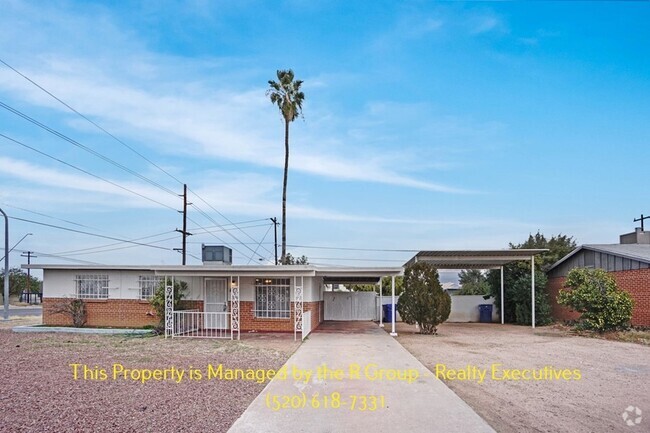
(465, 308)
(59, 283)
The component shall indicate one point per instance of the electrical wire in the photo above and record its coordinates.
(88, 233)
(85, 171)
(84, 147)
(68, 106)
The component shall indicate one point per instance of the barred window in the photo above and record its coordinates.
(92, 286)
(148, 285)
(272, 297)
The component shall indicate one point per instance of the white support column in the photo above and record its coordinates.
(298, 297)
(503, 314)
(393, 313)
(234, 307)
(381, 305)
(169, 308)
(532, 286)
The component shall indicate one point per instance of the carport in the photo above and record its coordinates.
(350, 276)
(480, 259)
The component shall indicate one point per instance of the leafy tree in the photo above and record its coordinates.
(593, 292)
(286, 94)
(158, 300)
(18, 281)
(473, 282)
(517, 308)
(558, 246)
(288, 259)
(423, 301)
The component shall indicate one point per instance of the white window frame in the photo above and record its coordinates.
(273, 298)
(91, 286)
(148, 284)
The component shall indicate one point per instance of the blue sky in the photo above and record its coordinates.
(426, 125)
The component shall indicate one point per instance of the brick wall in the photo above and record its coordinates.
(134, 313)
(117, 313)
(248, 321)
(635, 282)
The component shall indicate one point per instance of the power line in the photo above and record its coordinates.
(224, 217)
(198, 231)
(215, 236)
(117, 248)
(113, 137)
(85, 148)
(85, 171)
(88, 233)
(260, 243)
(232, 235)
(71, 252)
(61, 257)
(89, 120)
(383, 250)
(51, 217)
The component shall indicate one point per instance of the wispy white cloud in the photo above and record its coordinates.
(485, 22)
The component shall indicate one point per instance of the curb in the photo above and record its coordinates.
(64, 329)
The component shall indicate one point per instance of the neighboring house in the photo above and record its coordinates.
(220, 296)
(627, 261)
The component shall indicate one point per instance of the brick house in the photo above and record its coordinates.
(221, 299)
(628, 262)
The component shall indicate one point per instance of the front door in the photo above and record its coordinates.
(216, 301)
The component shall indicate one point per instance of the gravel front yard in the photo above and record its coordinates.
(39, 392)
(614, 375)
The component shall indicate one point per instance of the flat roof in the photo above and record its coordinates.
(473, 259)
(333, 273)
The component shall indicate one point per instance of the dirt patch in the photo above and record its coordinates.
(613, 376)
(19, 321)
(39, 392)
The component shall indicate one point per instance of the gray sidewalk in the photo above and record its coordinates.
(425, 405)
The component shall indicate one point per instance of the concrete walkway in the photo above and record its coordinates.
(424, 405)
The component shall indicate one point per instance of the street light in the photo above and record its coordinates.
(21, 239)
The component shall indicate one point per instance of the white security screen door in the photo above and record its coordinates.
(216, 301)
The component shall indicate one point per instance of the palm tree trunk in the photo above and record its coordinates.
(284, 191)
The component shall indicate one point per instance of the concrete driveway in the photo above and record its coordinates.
(367, 382)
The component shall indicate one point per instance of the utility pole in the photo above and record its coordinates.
(275, 226)
(642, 219)
(6, 282)
(184, 231)
(29, 255)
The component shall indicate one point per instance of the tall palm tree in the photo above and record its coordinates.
(286, 94)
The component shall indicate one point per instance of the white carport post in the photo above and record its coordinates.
(393, 312)
(381, 306)
(532, 285)
(503, 315)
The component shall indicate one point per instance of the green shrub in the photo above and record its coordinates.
(423, 301)
(593, 292)
(158, 300)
